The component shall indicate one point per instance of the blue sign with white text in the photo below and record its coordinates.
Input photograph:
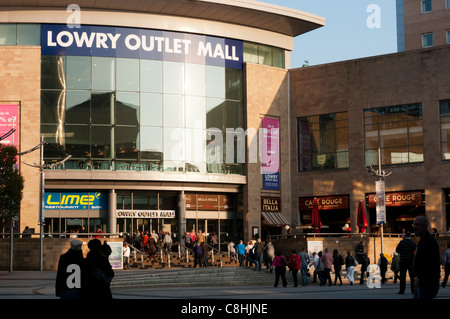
(59, 39)
(75, 200)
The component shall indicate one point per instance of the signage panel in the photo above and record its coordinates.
(9, 119)
(270, 204)
(104, 41)
(271, 153)
(380, 202)
(75, 200)
(325, 202)
(130, 213)
(208, 202)
(396, 199)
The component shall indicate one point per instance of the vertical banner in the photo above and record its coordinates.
(9, 119)
(380, 202)
(271, 153)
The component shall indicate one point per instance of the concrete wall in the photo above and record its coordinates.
(27, 252)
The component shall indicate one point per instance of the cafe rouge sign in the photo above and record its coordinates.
(325, 202)
(398, 199)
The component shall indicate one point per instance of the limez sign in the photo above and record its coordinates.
(140, 43)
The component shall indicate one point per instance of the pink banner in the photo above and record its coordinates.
(271, 145)
(9, 119)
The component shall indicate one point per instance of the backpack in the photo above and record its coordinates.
(295, 262)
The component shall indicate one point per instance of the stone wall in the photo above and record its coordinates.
(27, 252)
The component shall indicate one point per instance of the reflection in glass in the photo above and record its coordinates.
(151, 145)
(127, 108)
(78, 141)
(126, 139)
(215, 81)
(195, 112)
(173, 110)
(173, 77)
(52, 72)
(8, 34)
(174, 141)
(28, 34)
(101, 142)
(78, 107)
(195, 79)
(102, 108)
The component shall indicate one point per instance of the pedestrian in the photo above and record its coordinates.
(395, 267)
(320, 269)
(280, 263)
(313, 263)
(294, 266)
(327, 259)
(193, 237)
(98, 231)
(350, 267)
(240, 249)
(200, 236)
(304, 260)
(258, 249)
(187, 240)
(364, 268)
(126, 256)
(249, 254)
(204, 254)
(427, 261)
(152, 247)
(198, 255)
(145, 241)
(99, 271)
(446, 265)
(167, 241)
(359, 252)
(383, 264)
(214, 240)
(232, 250)
(155, 236)
(26, 232)
(269, 252)
(338, 261)
(137, 239)
(406, 249)
(70, 272)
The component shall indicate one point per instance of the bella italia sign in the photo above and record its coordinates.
(119, 42)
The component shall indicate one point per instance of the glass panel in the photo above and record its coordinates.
(278, 58)
(78, 72)
(52, 72)
(103, 74)
(341, 139)
(173, 77)
(195, 112)
(398, 155)
(265, 55)
(78, 107)
(250, 52)
(234, 115)
(173, 110)
(215, 81)
(393, 134)
(51, 106)
(195, 79)
(127, 108)
(174, 141)
(427, 40)
(195, 148)
(101, 142)
(446, 151)
(102, 108)
(52, 149)
(416, 153)
(28, 34)
(127, 74)
(151, 109)
(151, 76)
(78, 141)
(8, 34)
(215, 116)
(426, 6)
(123, 200)
(126, 142)
(234, 84)
(151, 143)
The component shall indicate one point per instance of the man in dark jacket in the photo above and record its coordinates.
(427, 268)
(258, 249)
(406, 248)
(69, 275)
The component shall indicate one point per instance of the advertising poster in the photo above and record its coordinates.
(381, 202)
(9, 119)
(116, 257)
(271, 153)
(314, 246)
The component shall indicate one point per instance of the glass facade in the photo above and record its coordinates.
(323, 142)
(397, 131)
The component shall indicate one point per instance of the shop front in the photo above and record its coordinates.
(272, 219)
(401, 209)
(334, 212)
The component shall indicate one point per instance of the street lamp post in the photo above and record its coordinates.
(380, 196)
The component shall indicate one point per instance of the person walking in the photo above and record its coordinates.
(204, 254)
(200, 236)
(167, 241)
(240, 250)
(395, 267)
(350, 267)
(338, 261)
(320, 269)
(313, 262)
(280, 263)
(294, 266)
(427, 261)
(383, 264)
(152, 247)
(304, 260)
(446, 265)
(70, 280)
(327, 259)
(269, 253)
(364, 268)
(99, 271)
(126, 256)
(359, 252)
(258, 249)
(249, 254)
(406, 249)
(198, 255)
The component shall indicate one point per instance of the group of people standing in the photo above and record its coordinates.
(85, 278)
(149, 242)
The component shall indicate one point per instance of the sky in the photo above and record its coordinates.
(353, 29)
